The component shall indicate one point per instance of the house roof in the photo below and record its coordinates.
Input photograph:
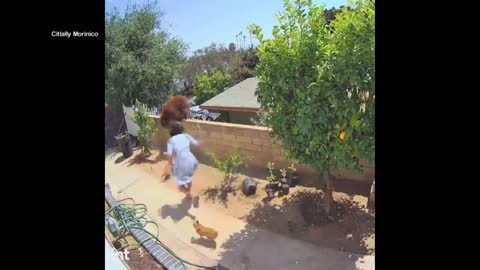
(240, 97)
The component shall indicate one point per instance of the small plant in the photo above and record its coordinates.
(271, 187)
(270, 167)
(280, 185)
(142, 118)
(283, 183)
(283, 173)
(292, 168)
(292, 176)
(229, 166)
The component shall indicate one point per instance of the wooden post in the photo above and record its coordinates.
(371, 198)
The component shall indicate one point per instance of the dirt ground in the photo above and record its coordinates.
(352, 231)
(141, 260)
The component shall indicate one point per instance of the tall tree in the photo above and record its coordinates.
(240, 64)
(318, 86)
(331, 14)
(205, 59)
(209, 85)
(245, 65)
(141, 60)
(231, 47)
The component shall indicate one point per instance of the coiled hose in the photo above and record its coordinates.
(135, 215)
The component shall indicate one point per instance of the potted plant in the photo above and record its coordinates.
(273, 184)
(292, 176)
(284, 186)
(272, 178)
(270, 190)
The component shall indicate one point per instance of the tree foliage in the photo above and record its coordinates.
(239, 63)
(146, 125)
(210, 84)
(212, 57)
(229, 165)
(331, 13)
(260, 119)
(318, 85)
(245, 67)
(141, 60)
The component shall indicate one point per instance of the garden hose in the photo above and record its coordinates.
(135, 215)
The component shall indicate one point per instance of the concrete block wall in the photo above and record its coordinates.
(252, 142)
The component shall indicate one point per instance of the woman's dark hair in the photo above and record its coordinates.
(176, 128)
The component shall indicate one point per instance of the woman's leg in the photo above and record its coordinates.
(188, 188)
(183, 189)
(196, 199)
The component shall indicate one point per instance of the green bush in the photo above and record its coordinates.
(228, 165)
(142, 118)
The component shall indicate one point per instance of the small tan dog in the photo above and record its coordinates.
(166, 172)
(204, 231)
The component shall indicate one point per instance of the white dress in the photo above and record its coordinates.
(184, 163)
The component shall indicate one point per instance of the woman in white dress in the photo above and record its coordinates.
(182, 161)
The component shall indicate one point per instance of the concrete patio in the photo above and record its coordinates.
(238, 246)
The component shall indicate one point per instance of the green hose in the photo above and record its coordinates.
(135, 214)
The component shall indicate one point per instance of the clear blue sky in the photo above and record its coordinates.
(201, 22)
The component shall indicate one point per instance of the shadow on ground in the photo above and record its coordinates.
(302, 217)
(119, 159)
(252, 248)
(222, 192)
(204, 242)
(177, 211)
(142, 158)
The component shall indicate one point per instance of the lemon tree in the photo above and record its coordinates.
(318, 86)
